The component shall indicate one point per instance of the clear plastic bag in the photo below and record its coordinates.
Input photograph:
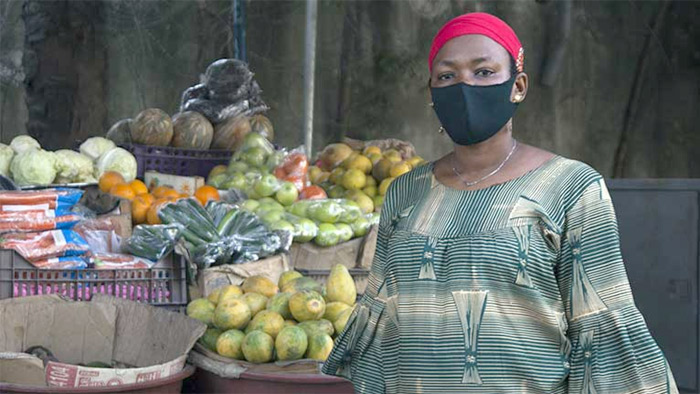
(39, 199)
(332, 211)
(61, 263)
(218, 209)
(119, 261)
(153, 242)
(45, 245)
(33, 221)
(199, 91)
(294, 168)
(305, 230)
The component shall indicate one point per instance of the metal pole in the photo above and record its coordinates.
(238, 16)
(309, 74)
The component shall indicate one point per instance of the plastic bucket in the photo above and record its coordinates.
(170, 385)
(267, 383)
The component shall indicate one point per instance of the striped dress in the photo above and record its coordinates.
(516, 288)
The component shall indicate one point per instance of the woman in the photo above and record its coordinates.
(498, 268)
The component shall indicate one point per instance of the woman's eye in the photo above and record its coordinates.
(484, 73)
(445, 77)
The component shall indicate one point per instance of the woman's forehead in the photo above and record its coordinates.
(472, 48)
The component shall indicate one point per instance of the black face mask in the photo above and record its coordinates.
(471, 114)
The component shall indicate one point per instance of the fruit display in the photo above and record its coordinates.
(362, 176)
(299, 319)
(215, 114)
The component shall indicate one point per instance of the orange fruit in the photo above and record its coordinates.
(206, 193)
(138, 187)
(109, 179)
(184, 195)
(122, 190)
(139, 208)
(152, 214)
(165, 191)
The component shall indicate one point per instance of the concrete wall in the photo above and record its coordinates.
(629, 73)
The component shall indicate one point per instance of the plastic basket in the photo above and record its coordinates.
(176, 161)
(163, 285)
(359, 275)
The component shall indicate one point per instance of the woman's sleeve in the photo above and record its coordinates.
(357, 352)
(612, 350)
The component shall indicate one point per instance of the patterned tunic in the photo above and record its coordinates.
(516, 288)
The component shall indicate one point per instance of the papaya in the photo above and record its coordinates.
(291, 344)
(307, 305)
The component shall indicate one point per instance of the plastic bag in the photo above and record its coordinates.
(198, 225)
(61, 263)
(103, 234)
(305, 230)
(33, 221)
(44, 245)
(326, 211)
(199, 91)
(153, 242)
(313, 192)
(39, 199)
(294, 168)
(119, 261)
(218, 209)
(227, 76)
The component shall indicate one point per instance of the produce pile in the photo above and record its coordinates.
(363, 175)
(274, 184)
(215, 114)
(261, 321)
(25, 162)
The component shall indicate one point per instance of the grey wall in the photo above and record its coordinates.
(629, 71)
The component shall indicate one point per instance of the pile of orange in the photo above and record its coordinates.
(144, 203)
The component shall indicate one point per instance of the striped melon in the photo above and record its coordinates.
(191, 130)
(152, 127)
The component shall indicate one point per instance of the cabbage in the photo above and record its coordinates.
(23, 143)
(6, 155)
(34, 167)
(72, 166)
(119, 160)
(96, 146)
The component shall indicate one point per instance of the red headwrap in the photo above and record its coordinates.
(483, 24)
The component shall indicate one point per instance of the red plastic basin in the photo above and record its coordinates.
(170, 385)
(257, 383)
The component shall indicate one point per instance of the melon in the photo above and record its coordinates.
(120, 132)
(261, 124)
(191, 130)
(152, 127)
(229, 134)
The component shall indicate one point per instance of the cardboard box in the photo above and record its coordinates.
(183, 184)
(153, 342)
(356, 253)
(234, 274)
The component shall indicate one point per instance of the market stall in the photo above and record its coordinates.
(200, 212)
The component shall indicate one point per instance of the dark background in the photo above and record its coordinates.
(614, 83)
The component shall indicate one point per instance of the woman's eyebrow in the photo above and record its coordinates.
(472, 62)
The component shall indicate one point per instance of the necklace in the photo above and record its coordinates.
(490, 174)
